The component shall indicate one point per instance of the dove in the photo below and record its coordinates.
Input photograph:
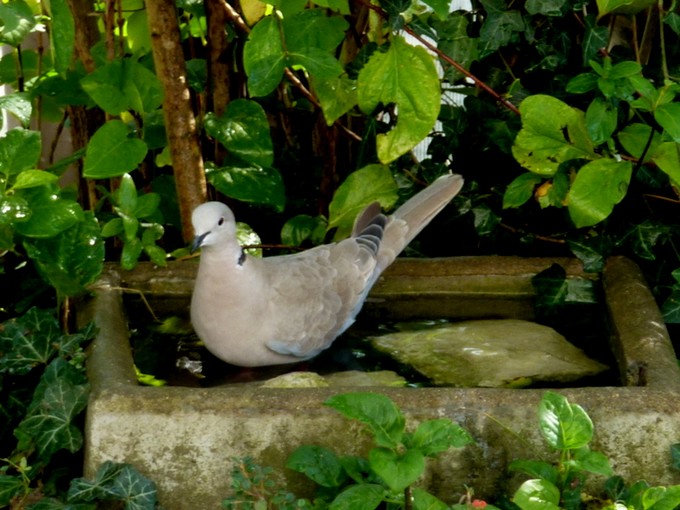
(259, 311)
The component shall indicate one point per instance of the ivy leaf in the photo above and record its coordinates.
(397, 470)
(455, 42)
(111, 152)
(19, 150)
(377, 411)
(362, 187)
(10, 486)
(552, 133)
(27, 341)
(498, 28)
(598, 187)
(249, 183)
(644, 238)
(545, 7)
(71, 260)
(406, 76)
(59, 398)
(117, 482)
(16, 20)
(243, 130)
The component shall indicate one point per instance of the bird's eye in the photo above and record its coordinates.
(219, 223)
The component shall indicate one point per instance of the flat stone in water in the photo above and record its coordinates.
(350, 378)
(489, 353)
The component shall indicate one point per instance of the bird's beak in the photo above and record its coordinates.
(198, 240)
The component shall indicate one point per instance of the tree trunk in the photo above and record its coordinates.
(180, 123)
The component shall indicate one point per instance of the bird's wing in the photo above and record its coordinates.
(315, 295)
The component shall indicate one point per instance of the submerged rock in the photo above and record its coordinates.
(338, 379)
(489, 353)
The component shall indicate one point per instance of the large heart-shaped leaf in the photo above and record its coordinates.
(50, 214)
(249, 183)
(397, 470)
(111, 152)
(404, 75)
(552, 133)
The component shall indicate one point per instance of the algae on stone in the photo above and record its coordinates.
(489, 353)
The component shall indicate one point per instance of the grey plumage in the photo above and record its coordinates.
(266, 311)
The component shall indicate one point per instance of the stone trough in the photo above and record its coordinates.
(185, 439)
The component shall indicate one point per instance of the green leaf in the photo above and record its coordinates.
(672, 19)
(33, 178)
(117, 482)
(59, 398)
(313, 29)
(252, 184)
(138, 35)
(19, 150)
(600, 120)
(644, 238)
(582, 83)
(111, 152)
(661, 498)
(423, 500)
(668, 116)
(361, 188)
(397, 470)
(129, 256)
(358, 497)
(10, 486)
(564, 426)
(455, 42)
(675, 456)
(622, 6)
(263, 57)
(244, 131)
(73, 259)
(320, 465)
(591, 251)
(598, 187)
(536, 469)
(19, 105)
(545, 7)
(302, 227)
(406, 76)
(498, 28)
(147, 205)
(667, 156)
(62, 34)
(537, 495)
(16, 22)
(436, 436)
(123, 85)
(520, 190)
(50, 214)
(27, 342)
(592, 462)
(126, 196)
(377, 411)
(634, 138)
(670, 310)
(337, 96)
(552, 133)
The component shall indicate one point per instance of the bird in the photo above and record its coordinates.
(259, 311)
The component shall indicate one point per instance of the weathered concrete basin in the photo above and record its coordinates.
(185, 438)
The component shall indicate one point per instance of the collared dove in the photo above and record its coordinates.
(252, 311)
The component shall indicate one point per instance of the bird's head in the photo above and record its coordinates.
(214, 225)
